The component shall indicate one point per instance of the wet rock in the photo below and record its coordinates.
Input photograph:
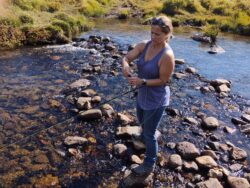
(215, 173)
(45, 181)
(172, 111)
(96, 99)
(88, 93)
(138, 145)
(210, 183)
(236, 182)
(70, 99)
(107, 110)
(238, 153)
(190, 70)
(71, 140)
(218, 82)
(179, 75)
(123, 119)
(131, 47)
(190, 166)
(80, 83)
(174, 161)
(110, 47)
(92, 114)
(136, 159)
(235, 167)
(106, 39)
(210, 122)
(187, 150)
(206, 162)
(246, 118)
(229, 130)
(223, 88)
(238, 121)
(41, 159)
(120, 149)
(205, 89)
(171, 145)
(210, 153)
(83, 103)
(130, 180)
(191, 121)
(128, 131)
(179, 61)
(246, 130)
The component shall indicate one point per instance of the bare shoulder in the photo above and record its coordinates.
(140, 46)
(168, 56)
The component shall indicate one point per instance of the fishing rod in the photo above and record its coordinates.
(69, 119)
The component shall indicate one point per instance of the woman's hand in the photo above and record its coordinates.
(126, 71)
(135, 81)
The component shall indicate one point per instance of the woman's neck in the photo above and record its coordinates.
(158, 45)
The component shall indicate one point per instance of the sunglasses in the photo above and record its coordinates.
(161, 23)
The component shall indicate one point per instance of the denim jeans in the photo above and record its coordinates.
(150, 120)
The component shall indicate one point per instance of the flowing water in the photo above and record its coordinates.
(32, 80)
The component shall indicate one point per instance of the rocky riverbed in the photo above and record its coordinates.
(203, 137)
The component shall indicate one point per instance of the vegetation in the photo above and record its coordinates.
(228, 16)
(24, 21)
(37, 22)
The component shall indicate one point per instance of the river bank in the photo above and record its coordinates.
(104, 153)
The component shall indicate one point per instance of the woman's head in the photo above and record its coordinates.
(161, 27)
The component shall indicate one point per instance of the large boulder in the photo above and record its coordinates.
(187, 150)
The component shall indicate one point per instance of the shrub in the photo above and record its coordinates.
(53, 7)
(91, 8)
(123, 14)
(9, 22)
(64, 26)
(8, 40)
(26, 19)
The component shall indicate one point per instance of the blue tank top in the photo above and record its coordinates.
(151, 97)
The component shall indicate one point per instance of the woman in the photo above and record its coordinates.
(155, 66)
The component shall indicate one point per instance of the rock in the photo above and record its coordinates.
(110, 47)
(179, 75)
(187, 150)
(138, 145)
(219, 82)
(129, 131)
(130, 180)
(238, 153)
(246, 118)
(79, 83)
(174, 161)
(210, 153)
(136, 159)
(41, 159)
(215, 173)
(235, 167)
(96, 99)
(206, 162)
(246, 130)
(236, 182)
(120, 149)
(179, 61)
(46, 181)
(223, 88)
(210, 122)
(229, 130)
(172, 111)
(238, 121)
(210, 183)
(171, 145)
(123, 119)
(107, 110)
(71, 140)
(190, 70)
(191, 120)
(106, 39)
(83, 103)
(205, 89)
(190, 166)
(91, 114)
(88, 93)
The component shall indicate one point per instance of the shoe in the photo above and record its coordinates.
(143, 169)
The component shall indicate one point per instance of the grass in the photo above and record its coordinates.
(45, 22)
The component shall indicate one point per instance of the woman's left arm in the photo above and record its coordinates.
(166, 65)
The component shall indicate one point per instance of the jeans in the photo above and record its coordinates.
(150, 120)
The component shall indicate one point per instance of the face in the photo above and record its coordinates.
(157, 35)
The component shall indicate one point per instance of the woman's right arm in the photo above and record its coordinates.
(131, 55)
